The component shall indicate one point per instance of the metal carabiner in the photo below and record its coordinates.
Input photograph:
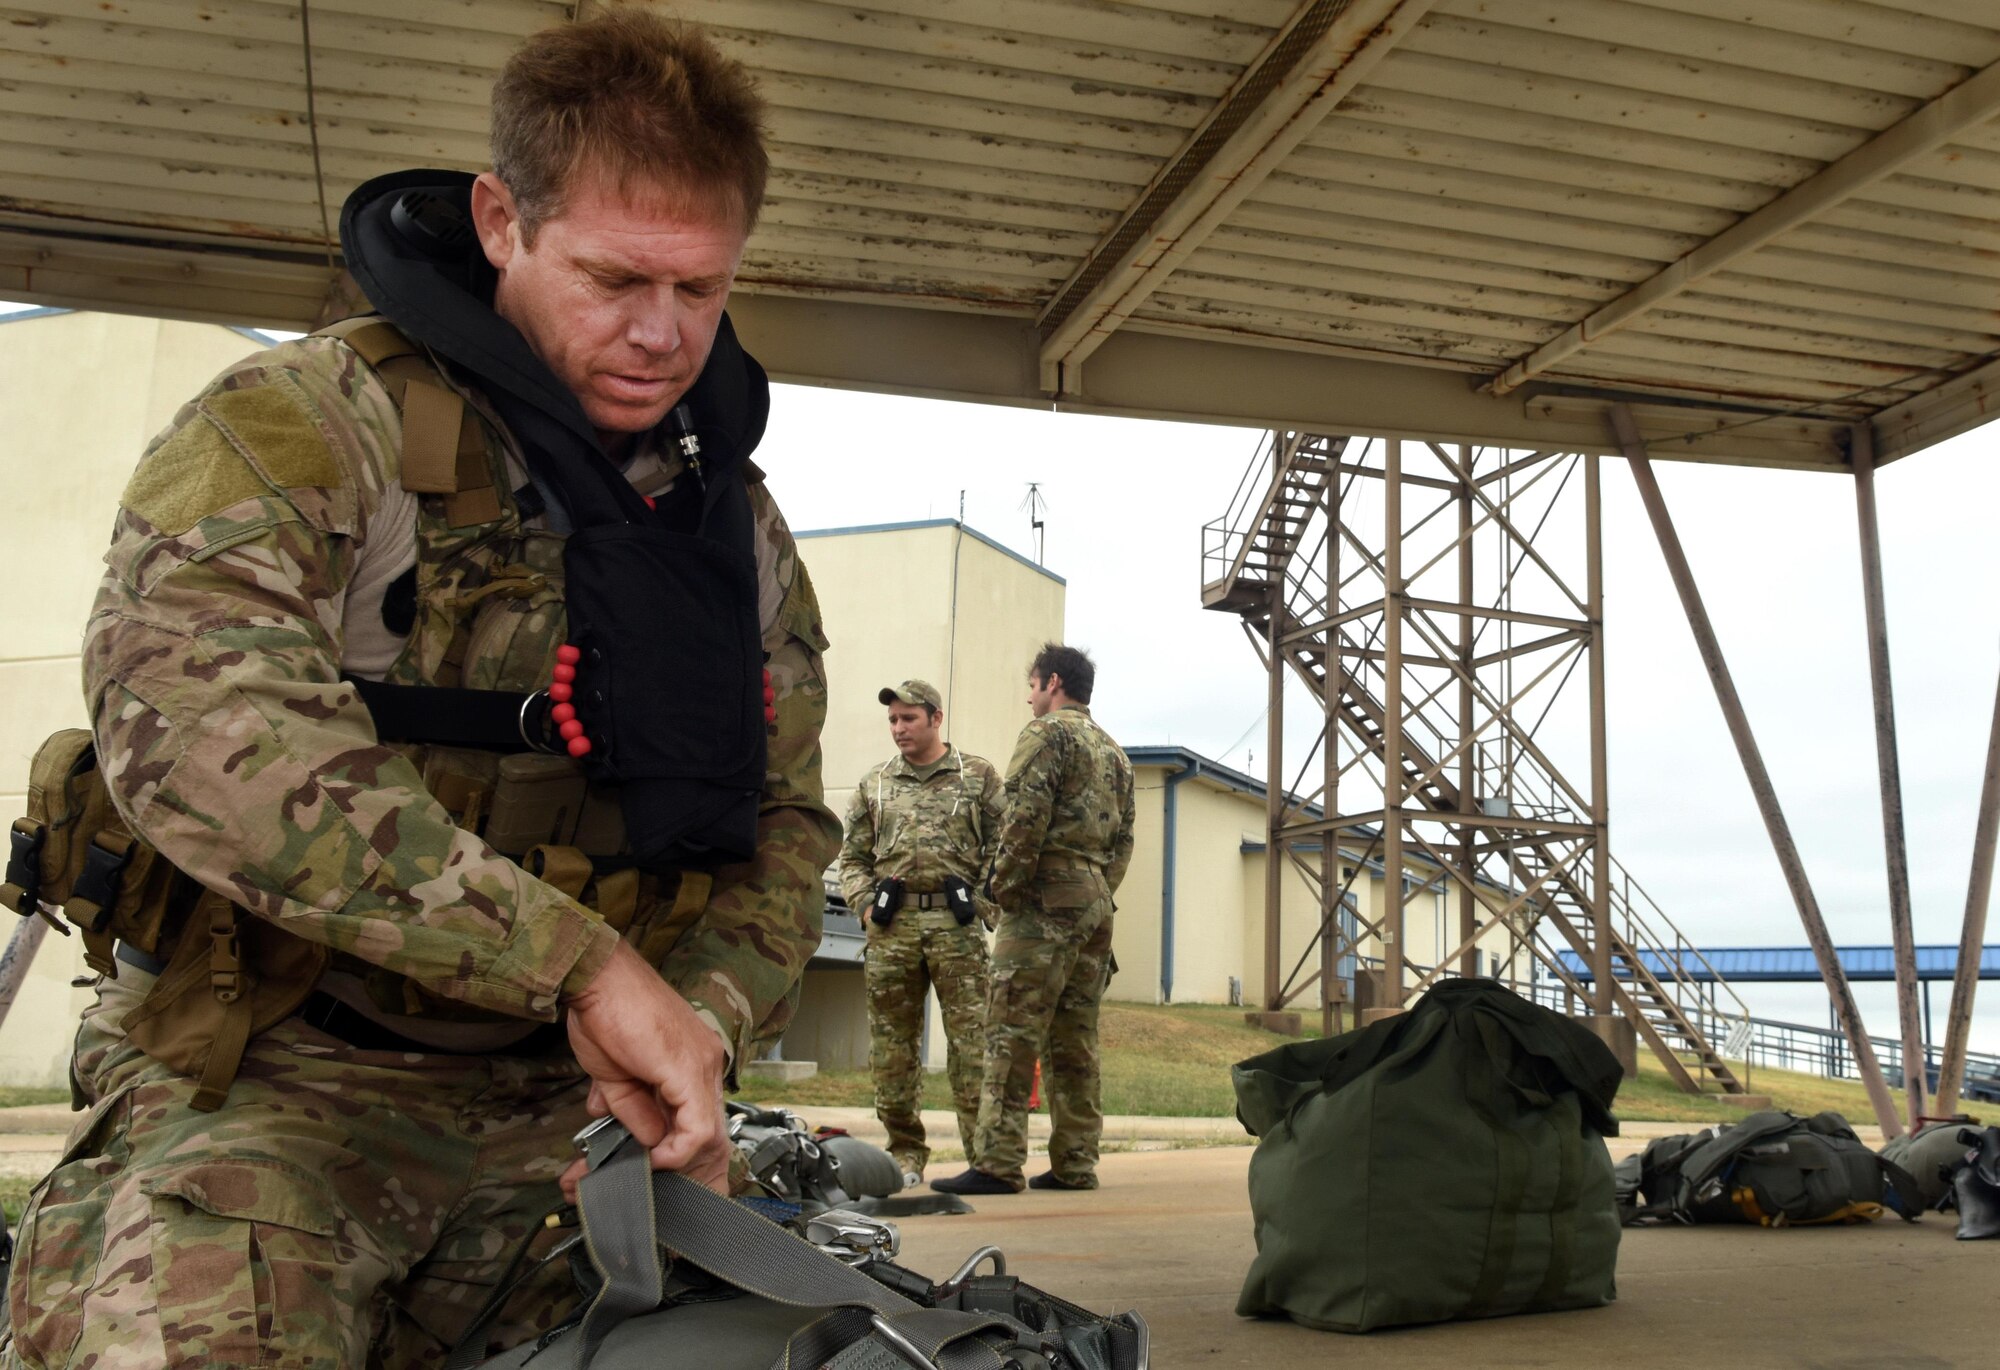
(901, 1344)
(964, 1272)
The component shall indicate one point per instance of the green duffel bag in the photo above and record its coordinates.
(1445, 1163)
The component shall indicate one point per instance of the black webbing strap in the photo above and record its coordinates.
(446, 716)
(23, 886)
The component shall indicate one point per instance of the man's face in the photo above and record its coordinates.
(914, 729)
(619, 297)
(1042, 693)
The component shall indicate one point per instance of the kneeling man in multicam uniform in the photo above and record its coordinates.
(920, 835)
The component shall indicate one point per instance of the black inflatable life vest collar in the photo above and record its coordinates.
(685, 741)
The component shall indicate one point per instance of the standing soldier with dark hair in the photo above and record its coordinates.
(1064, 846)
(920, 834)
(457, 692)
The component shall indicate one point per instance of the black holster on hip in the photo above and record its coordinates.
(888, 899)
(958, 896)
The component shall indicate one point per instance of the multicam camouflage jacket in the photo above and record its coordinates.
(921, 829)
(255, 558)
(1069, 814)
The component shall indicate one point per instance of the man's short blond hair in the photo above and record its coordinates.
(650, 103)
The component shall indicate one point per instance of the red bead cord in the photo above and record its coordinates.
(579, 746)
(568, 655)
(571, 730)
(564, 672)
(563, 713)
(559, 692)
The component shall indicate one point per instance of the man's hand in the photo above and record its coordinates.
(655, 1066)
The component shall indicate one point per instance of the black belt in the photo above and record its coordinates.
(357, 1029)
(354, 1027)
(138, 960)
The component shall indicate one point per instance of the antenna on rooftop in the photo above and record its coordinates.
(1036, 504)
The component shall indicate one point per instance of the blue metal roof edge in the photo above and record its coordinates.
(1236, 780)
(34, 312)
(1797, 965)
(970, 531)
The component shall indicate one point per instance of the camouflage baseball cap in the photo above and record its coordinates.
(912, 692)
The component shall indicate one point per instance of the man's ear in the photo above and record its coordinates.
(497, 220)
(1052, 682)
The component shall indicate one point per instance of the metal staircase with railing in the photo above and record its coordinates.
(1253, 568)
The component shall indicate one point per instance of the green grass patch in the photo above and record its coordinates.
(1174, 1062)
(13, 1194)
(14, 1096)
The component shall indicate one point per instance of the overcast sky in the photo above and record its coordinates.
(1775, 553)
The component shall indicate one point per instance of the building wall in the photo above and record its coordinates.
(1135, 931)
(1219, 922)
(933, 602)
(80, 397)
(1208, 921)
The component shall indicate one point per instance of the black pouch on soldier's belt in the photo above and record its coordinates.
(888, 899)
(958, 897)
(673, 1274)
(1445, 1163)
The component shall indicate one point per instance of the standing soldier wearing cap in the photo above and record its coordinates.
(920, 834)
(1063, 847)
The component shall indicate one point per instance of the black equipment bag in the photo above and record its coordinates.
(762, 1295)
(1774, 1169)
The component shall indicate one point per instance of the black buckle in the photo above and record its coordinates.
(95, 894)
(23, 887)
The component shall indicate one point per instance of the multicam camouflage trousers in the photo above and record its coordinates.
(1050, 971)
(343, 1208)
(920, 949)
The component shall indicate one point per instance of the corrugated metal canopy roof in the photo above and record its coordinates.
(1760, 220)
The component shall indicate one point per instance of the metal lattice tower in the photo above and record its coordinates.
(1442, 608)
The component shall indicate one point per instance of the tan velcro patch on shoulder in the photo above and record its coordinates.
(275, 428)
(191, 475)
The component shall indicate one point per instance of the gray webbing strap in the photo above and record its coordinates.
(626, 1252)
(752, 1253)
(761, 1258)
(622, 1231)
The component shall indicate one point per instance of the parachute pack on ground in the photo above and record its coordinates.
(672, 1273)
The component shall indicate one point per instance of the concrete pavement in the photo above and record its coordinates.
(1170, 1234)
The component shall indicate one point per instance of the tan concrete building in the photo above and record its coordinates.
(80, 396)
(1191, 923)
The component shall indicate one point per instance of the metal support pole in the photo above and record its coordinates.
(1840, 996)
(1393, 775)
(1274, 802)
(1901, 934)
(20, 955)
(1600, 774)
(1468, 865)
(1329, 857)
(1972, 938)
